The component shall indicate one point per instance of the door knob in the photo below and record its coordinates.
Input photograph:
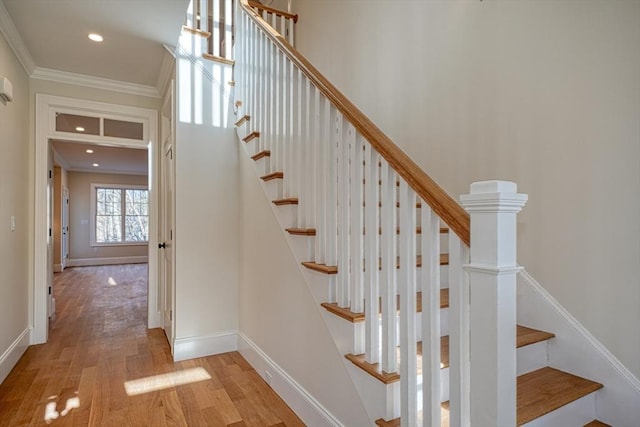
(162, 245)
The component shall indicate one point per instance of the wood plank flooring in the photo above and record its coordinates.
(98, 341)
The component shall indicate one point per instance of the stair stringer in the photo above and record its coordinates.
(576, 351)
(379, 400)
(281, 318)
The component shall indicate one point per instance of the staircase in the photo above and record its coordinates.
(348, 198)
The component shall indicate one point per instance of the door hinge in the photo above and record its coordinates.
(171, 315)
(49, 290)
(171, 235)
(49, 232)
(49, 174)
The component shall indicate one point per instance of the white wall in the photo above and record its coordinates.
(206, 233)
(278, 312)
(80, 217)
(14, 201)
(546, 94)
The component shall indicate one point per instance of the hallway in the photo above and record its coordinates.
(99, 344)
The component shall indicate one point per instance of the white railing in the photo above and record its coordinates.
(377, 220)
(213, 19)
(283, 22)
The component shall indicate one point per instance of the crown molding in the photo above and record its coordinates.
(10, 32)
(94, 82)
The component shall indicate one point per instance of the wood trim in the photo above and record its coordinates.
(276, 12)
(253, 135)
(272, 176)
(218, 59)
(260, 155)
(547, 389)
(526, 336)
(321, 268)
(197, 32)
(373, 369)
(442, 203)
(283, 202)
(243, 120)
(302, 231)
(343, 312)
(596, 423)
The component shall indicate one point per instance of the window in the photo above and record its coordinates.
(120, 215)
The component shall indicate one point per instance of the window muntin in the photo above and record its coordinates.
(120, 214)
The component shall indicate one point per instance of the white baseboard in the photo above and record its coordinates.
(11, 356)
(83, 262)
(57, 268)
(299, 400)
(192, 347)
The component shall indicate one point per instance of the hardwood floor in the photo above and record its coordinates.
(99, 344)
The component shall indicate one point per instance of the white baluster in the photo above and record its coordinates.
(332, 184)
(356, 220)
(301, 143)
(343, 213)
(324, 204)
(408, 287)
(215, 29)
(291, 32)
(270, 99)
(459, 388)
(310, 160)
(372, 240)
(389, 253)
(430, 249)
(228, 35)
(203, 13)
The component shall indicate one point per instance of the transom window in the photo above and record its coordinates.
(120, 214)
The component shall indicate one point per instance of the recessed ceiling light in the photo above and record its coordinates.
(79, 129)
(95, 165)
(89, 150)
(96, 37)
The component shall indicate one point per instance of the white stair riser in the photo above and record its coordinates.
(577, 413)
(263, 165)
(380, 400)
(532, 357)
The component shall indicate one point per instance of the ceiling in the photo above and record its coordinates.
(74, 157)
(52, 40)
(55, 33)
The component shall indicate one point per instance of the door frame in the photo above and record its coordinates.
(64, 227)
(45, 130)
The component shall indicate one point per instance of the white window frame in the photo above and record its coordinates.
(92, 220)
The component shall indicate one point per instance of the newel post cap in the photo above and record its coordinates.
(493, 196)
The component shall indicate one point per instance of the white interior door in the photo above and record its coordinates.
(64, 252)
(166, 246)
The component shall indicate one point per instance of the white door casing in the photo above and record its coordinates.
(45, 130)
(167, 191)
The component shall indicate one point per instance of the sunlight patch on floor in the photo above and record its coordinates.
(163, 381)
(111, 281)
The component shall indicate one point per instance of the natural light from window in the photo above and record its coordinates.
(120, 214)
(164, 381)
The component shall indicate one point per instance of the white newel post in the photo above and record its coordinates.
(493, 206)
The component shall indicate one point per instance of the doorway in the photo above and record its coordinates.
(111, 119)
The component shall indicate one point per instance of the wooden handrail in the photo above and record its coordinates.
(276, 12)
(442, 203)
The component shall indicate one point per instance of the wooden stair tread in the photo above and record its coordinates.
(321, 268)
(243, 119)
(288, 201)
(302, 231)
(396, 421)
(596, 423)
(272, 176)
(526, 336)
(218, 59)
(251, 136)
(260, 155)
(547, 389)
(374, 370)
(197, 31)
(522, 334)
(444, 260)
(351, 316)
